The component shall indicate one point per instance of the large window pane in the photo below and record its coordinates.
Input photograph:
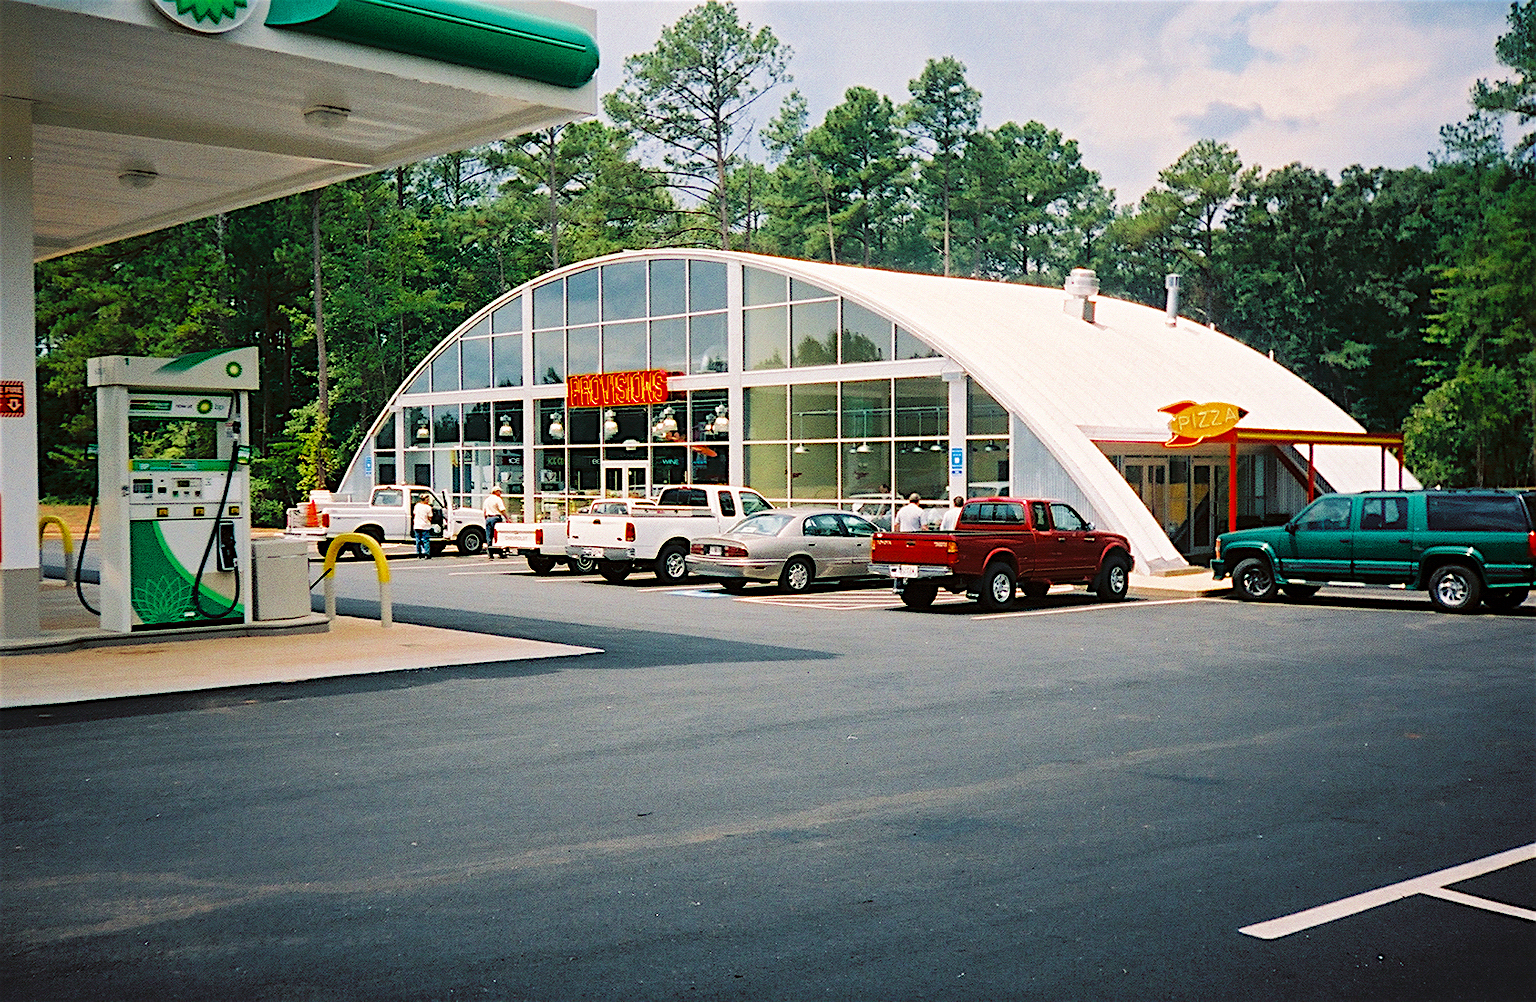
(922, 408)
(549, 305)
(583, 425)
(984, 416)
(813, 471)
(923, 471)
(509, 474)
(799, 290)
(477, 362)
(866, 469)
(866, 335)
(669, 287)
(867, 409)
(418, 427)
(551, 464)
(624, 290)
(765, 337)
(445, 369)
(813, 411)
(669, 465)
(669, 344)
(582, 351)
(507, 359)
(813, 332)
(445, 424)
(624, 347)
(384, 438)
(633, 427)
(477, 424)
(766, 417)
(549, 356)
(550, 426)
(710, 464)
(987, 467)
(706, 407)
(706, 286)
(581, 297)
(760, 288)
(768, 470)
(423, 381)
(707, 344)
(508, 318)
(908, 346)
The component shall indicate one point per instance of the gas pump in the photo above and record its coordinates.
(175, 540)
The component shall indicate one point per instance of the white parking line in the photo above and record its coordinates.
(1431, 884)
(1095, 607)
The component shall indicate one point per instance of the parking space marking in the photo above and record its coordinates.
(1092, 607)
(844, 601)
(1431, 884)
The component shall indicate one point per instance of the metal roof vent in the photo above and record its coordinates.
(1081, 286)
(1171, 283)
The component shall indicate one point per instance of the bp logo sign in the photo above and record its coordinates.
(233, 369)
(208, 16)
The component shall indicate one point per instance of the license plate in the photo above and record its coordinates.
(714, 551)
(592, 551)
(904, 571)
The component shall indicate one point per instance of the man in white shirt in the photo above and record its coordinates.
(495, 511)
(952, 516)
(421, 524)
(910, 517)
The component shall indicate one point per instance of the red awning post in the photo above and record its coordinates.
(1311, 474)
(1399, 467)
(1383, 467)
(1232, 483)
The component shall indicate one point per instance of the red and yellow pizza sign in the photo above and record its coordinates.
(1190, 423)
(617, 389)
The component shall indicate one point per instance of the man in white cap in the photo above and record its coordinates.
(495, 511)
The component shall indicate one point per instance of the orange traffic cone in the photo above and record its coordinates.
(311, 515)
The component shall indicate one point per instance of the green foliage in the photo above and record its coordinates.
(1517, 96)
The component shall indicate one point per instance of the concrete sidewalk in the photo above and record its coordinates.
(1195, 583)
(70, 665)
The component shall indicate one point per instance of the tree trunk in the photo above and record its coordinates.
(554, 201)
(322, 373)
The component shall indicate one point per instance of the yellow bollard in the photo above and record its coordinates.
(386, 611)
(69, 544)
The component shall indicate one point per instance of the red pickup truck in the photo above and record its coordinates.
(1002, 543)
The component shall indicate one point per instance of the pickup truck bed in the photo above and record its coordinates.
(657, 536)
(1000, 544)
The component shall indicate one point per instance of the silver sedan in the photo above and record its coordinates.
(791, 546)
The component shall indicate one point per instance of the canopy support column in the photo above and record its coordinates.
(1311, 473)
(1232, 483)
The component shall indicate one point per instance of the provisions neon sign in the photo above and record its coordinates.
(617, 389)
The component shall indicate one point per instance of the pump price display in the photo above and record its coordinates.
(179, 406)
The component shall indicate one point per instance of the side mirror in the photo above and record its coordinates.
(1089, 527)
(1291, 527)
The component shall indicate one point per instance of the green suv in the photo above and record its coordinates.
(1463, 547)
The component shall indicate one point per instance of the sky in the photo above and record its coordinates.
(1324, 83)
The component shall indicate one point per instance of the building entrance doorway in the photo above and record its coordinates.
(1185, 494)
(627, 479)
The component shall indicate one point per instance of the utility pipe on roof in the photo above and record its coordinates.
(1171, 283)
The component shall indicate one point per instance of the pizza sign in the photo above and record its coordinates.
(1190, 423)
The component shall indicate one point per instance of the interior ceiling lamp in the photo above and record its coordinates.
(556, 429)
(722, 423)
(935, 447)
(668, 421)
(137, 177)
(800, 449)
(863, 447)
(610, 426)
(422, 433)
(505, 430)
(327, 116)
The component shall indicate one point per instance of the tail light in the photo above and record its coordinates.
(697, 549)
(1530, 542)
(629, 532)
(951, 547)
(325, 521)
(735, 551)
(538, 537)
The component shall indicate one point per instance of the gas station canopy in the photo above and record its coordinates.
(142, 119)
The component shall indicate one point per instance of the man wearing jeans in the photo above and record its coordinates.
(421, 524)
(495, 511)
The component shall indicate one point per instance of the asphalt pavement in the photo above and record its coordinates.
(783, 798)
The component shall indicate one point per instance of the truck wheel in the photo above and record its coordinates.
(1035, 590)
(1454, 588)
(1114, 580)
(797, 576)
(541, 564)
(919, 594)
(471, 541)
(582, 565)
(614, 571)
(1253, 580)
(734, 585)
(1505, 599)
(672, 564)
(997, 583)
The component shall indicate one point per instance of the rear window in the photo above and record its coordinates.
(1476, 513)
(993, 512)
(766, 524)
(685, 497)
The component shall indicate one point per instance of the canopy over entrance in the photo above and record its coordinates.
(120, 117)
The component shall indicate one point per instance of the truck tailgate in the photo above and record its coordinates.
(912, 548)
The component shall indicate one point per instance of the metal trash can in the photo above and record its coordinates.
(280, 569)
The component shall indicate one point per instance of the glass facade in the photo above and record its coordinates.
(836, 402)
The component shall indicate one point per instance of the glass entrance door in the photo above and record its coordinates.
(627, 479)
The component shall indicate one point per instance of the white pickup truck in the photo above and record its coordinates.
(543, 543)
(386, 516)
(658, 536)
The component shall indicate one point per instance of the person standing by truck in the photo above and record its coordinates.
(495, 511)
(952, 515)
(421, 525)
(910, 517)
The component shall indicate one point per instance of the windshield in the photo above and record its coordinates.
(766, 524)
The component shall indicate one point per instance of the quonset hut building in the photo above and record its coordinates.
(818, 383)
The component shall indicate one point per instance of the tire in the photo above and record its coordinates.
(919, 594)
(797, 576)
(614, 571)
(1253, 580)
(471, 541)
(1455, 588)
(672, 564)
(734, 585)
(1114, 580)
(541, 564)
(581, 565)
(1035, 590)
(997, 584)
(1298, 592)
(1505, 599)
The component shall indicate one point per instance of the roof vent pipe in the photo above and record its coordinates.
(1171, 283)
(1081, 286)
